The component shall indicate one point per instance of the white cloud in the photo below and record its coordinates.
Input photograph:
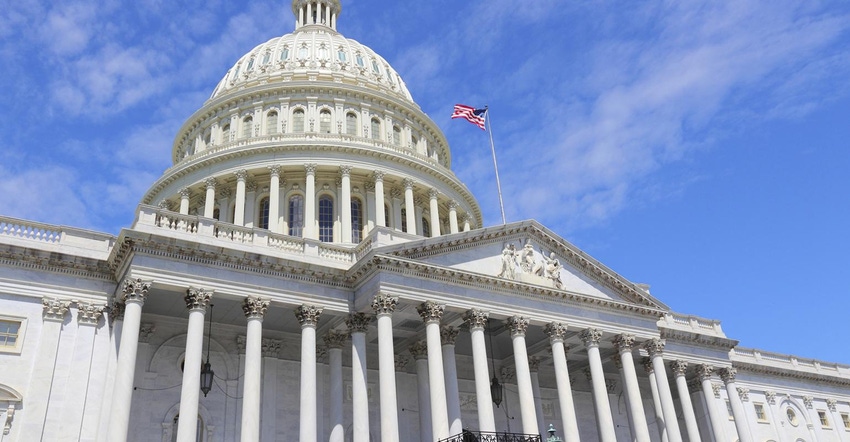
(57, 203)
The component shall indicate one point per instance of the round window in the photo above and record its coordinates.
(792, 416)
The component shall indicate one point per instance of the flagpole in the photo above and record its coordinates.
(495, 165)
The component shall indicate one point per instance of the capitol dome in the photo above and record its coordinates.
(314, 135)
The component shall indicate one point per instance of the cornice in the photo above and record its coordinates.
(790, 374)
(525, 229)
(452, 276)
(699, 339)
(43, 261)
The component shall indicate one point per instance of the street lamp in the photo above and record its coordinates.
(495, 386)
(206, 371)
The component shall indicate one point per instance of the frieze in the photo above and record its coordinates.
(15, 256)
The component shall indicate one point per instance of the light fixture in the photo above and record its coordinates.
(206, 371)
(495, 386)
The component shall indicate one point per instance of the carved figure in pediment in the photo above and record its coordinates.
(526, 258)
(553, 270)
(509, 258)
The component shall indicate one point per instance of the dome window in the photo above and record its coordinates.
(397, 135)
(250, 65)
(323, 52)
(376, 129)
(303, 52)
(236, 73)
(426, 228)
(375, 67)
(296, 215)
(359, 59)
(264, 213)
(271, 123)
(266, 57)
(389, 77)
(284, 54)
(325, 121)
(340, 54)
(225, 133)
(356, 220)
(247, 122)
(351, 124)
(298, 121)
(326, 219)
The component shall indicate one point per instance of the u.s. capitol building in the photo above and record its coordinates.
(311, 269)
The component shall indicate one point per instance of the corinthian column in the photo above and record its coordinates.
(431, 313)
(419, 350)
(357, 324)
(656, 399)
(384, 306)
(557, 332)
(655, 348)
(255, 309)
(624, 344)
(409, 208)
(334, 341)
(274, 199)
(477, 320)
(345, 209)
(308, 317)
(185, 194)
(518, 326)
(680, 368)
(728, 375)
(448, 335)
(239, 210)
(134, 293)
(197, 301)
(380, 215)
(310, 202)
(209, 201)
(453, 226)
(604, 420)
(718, 420)
(434, 208)
(534, 368)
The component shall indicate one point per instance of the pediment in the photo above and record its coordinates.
(525, 253)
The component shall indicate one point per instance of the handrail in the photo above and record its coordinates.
(479, 436)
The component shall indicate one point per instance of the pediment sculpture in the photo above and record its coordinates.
(523, 265)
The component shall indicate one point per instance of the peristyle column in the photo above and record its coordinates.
(274, 199)
(308, 317)
(434, 208)
(591, 338)
(185, 194)
(255, 309)
(680, 368)
(197, 301)
(656, 399)
(334, 340)
(357, 324)
(380, 215)
(409, 208)
(345, 209)
(477, 320)
(310, 202)
(728, 375)
(624, 344)
(718, 420)
(419, 350)
(534, 368)
(655, 349)
(384, 306)
(519, 326)
(453, 226)
(557, 333)
(448, 335)
(239, 210)
(431, 313)
(209, 200)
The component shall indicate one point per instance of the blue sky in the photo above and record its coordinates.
(697, 147)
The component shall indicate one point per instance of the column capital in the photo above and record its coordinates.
(225, 193)
(274, 170)
(89, 313)
(728, 374)
(384, 304)
(715, 388)
(378, 175)
(358, 322)
(770, 396)
(369, 186)
(210, 183)
(185, 192)
(807, 401)
(135, 290)
(431, 311)
(395, 193)
(308, 315)
(448, 335)
(624, 342)
(704, 371)
(831, 404)
(241, 175)
(590, 337)
(556, 331)
(197, 299)
(345, 171)
(679, 367)
(476, 318)
(453, 205)
(647, 365)
(335, 339)
(310, 168)
(518, 325)
(508, 373)
(116, 312)
(744, 393)
(146, 331)
(54, 309)
(407, 183)
(271, 347)
(654, 347)
(251, 185)
(255, 307)
(534, 364)
(400, 362)
(165, 204)
(419, 350)
(240, 343)
(433, 193)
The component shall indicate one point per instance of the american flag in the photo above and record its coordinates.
(471, 114)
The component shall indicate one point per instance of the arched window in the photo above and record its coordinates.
(225, 133)
(263, 216)
(298, 121)
(397, 135)
(217, 213)
(326, 219)
(340, 54)
(284, 54)
(199, 435)
(271, 122)
(325, 121)
(296, 215)
(414, 142)
(247, 124)
(351, 124)
(356, 220)
(404, 220)
(426, 228)
(376, 129)
(250, 65)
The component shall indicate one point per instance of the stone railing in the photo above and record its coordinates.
(52, 237)
(790, 362)
(152, 219)
(479, 436)
(692, 323)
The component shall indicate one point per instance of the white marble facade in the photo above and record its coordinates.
(316, 249)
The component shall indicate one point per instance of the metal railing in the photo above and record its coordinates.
(477, 436)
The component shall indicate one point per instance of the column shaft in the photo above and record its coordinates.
(209, 201)
(184, 202)
(337, 423)
(656, 401)
(274, 201)
(565, 394)
(310, 203)
(453, 226)
(434, 208)
(380, 215)
(538, 405)
(187, 426)
(718, 420)
(239, 209)
(424, 389)
(386, 374)
(437, 381)
(604, 419)
(410, 210)
(523, 375)
(687, 407)
(486, 418)
(452, 390)
(346, 204)
(252, 380)
(308, 410)
(633, 392)
(359, 398)
(737, 409)
(671, 422)
(125, 370)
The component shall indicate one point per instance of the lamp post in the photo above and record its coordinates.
(206, 371)
(552, 437)
(495, 386)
